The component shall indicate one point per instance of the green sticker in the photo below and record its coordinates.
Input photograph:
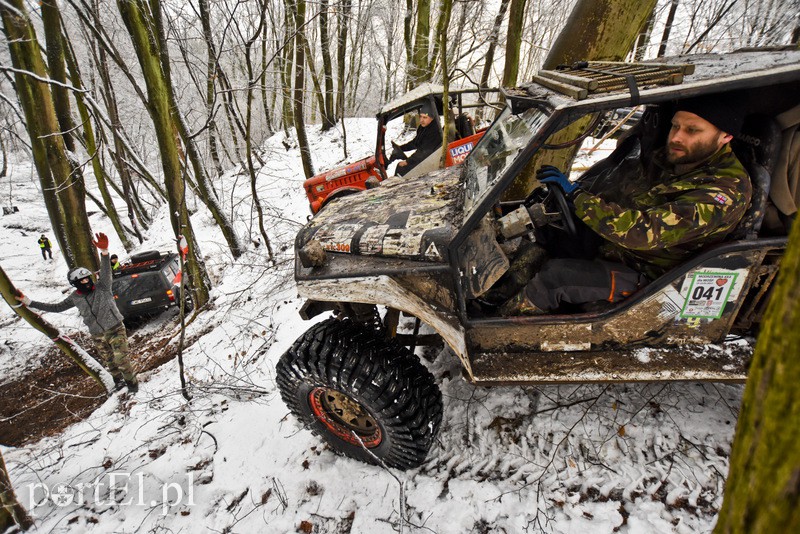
(708, 294)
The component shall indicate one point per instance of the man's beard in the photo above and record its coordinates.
(699, 152)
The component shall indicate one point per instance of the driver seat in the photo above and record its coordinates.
(757, 148)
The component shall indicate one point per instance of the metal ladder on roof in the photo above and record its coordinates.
(585, 78)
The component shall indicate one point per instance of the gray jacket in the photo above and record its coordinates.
(98, 309)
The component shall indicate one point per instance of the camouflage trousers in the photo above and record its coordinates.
(112, 345)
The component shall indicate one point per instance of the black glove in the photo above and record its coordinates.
(396, 154)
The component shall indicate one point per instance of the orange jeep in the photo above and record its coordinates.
(353, 177)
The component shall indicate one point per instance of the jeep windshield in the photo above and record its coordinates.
(497, 149)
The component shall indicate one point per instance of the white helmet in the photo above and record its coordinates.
(77, 274)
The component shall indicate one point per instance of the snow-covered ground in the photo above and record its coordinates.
(593, 458)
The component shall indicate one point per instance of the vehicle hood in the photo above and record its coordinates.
(402, 218)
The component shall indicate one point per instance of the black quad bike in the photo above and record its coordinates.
(433, 246)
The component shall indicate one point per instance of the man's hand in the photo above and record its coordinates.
(550, 175)
(397, 154)
(101, 242)
(22, 298)
(402, 163)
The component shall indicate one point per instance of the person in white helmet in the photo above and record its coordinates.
(95, 303)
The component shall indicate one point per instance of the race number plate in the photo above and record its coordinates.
(708, 293)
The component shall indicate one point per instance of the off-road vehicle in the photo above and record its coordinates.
(147, 284)
(353, 177)
(431, 247)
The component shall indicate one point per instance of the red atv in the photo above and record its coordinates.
(353, 177)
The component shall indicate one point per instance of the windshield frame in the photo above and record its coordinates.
(492, 194)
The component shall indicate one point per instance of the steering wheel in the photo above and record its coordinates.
(553, 197)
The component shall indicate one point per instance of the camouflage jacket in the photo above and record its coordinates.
(659, 218)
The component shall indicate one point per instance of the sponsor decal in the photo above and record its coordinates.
(338, 173)
(372, 240)
(336, 247)
(671, 303)
(356, 167)
(433, 252)
(460, 153)
(337, 239)
(335, 174)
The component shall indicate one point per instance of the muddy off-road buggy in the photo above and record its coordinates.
(431, 247)
(353, 177)
(147, 284)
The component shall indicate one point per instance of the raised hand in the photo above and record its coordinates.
(100, 241)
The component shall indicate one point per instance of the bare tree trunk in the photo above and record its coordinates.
(444, 24)
(388, 89)
(418, 70)
(211, 96)
(263, 82)
(356, 61)
(92, 149)
(248, 124)
(464, 22)
(287, 60)
(408, 39)
(215, 74)
(139, 20)
(135, 213)
(11, 511)
(328, 114)
(93, 23)
(341, 57)
(200, 174)
(762, 493)
(71, 220)
(513, 42)
(38, 149)
(493, 37)
(318, 92)
(643, 39)
(584, 38)
(299, 9)
(51, 22)
(4, 169)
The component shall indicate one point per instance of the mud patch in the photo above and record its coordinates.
(58, 394)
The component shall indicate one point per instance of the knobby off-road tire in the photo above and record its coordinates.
(341, 378)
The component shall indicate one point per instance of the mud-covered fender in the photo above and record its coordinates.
(384, 290)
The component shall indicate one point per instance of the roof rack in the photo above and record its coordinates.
(583, 78)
